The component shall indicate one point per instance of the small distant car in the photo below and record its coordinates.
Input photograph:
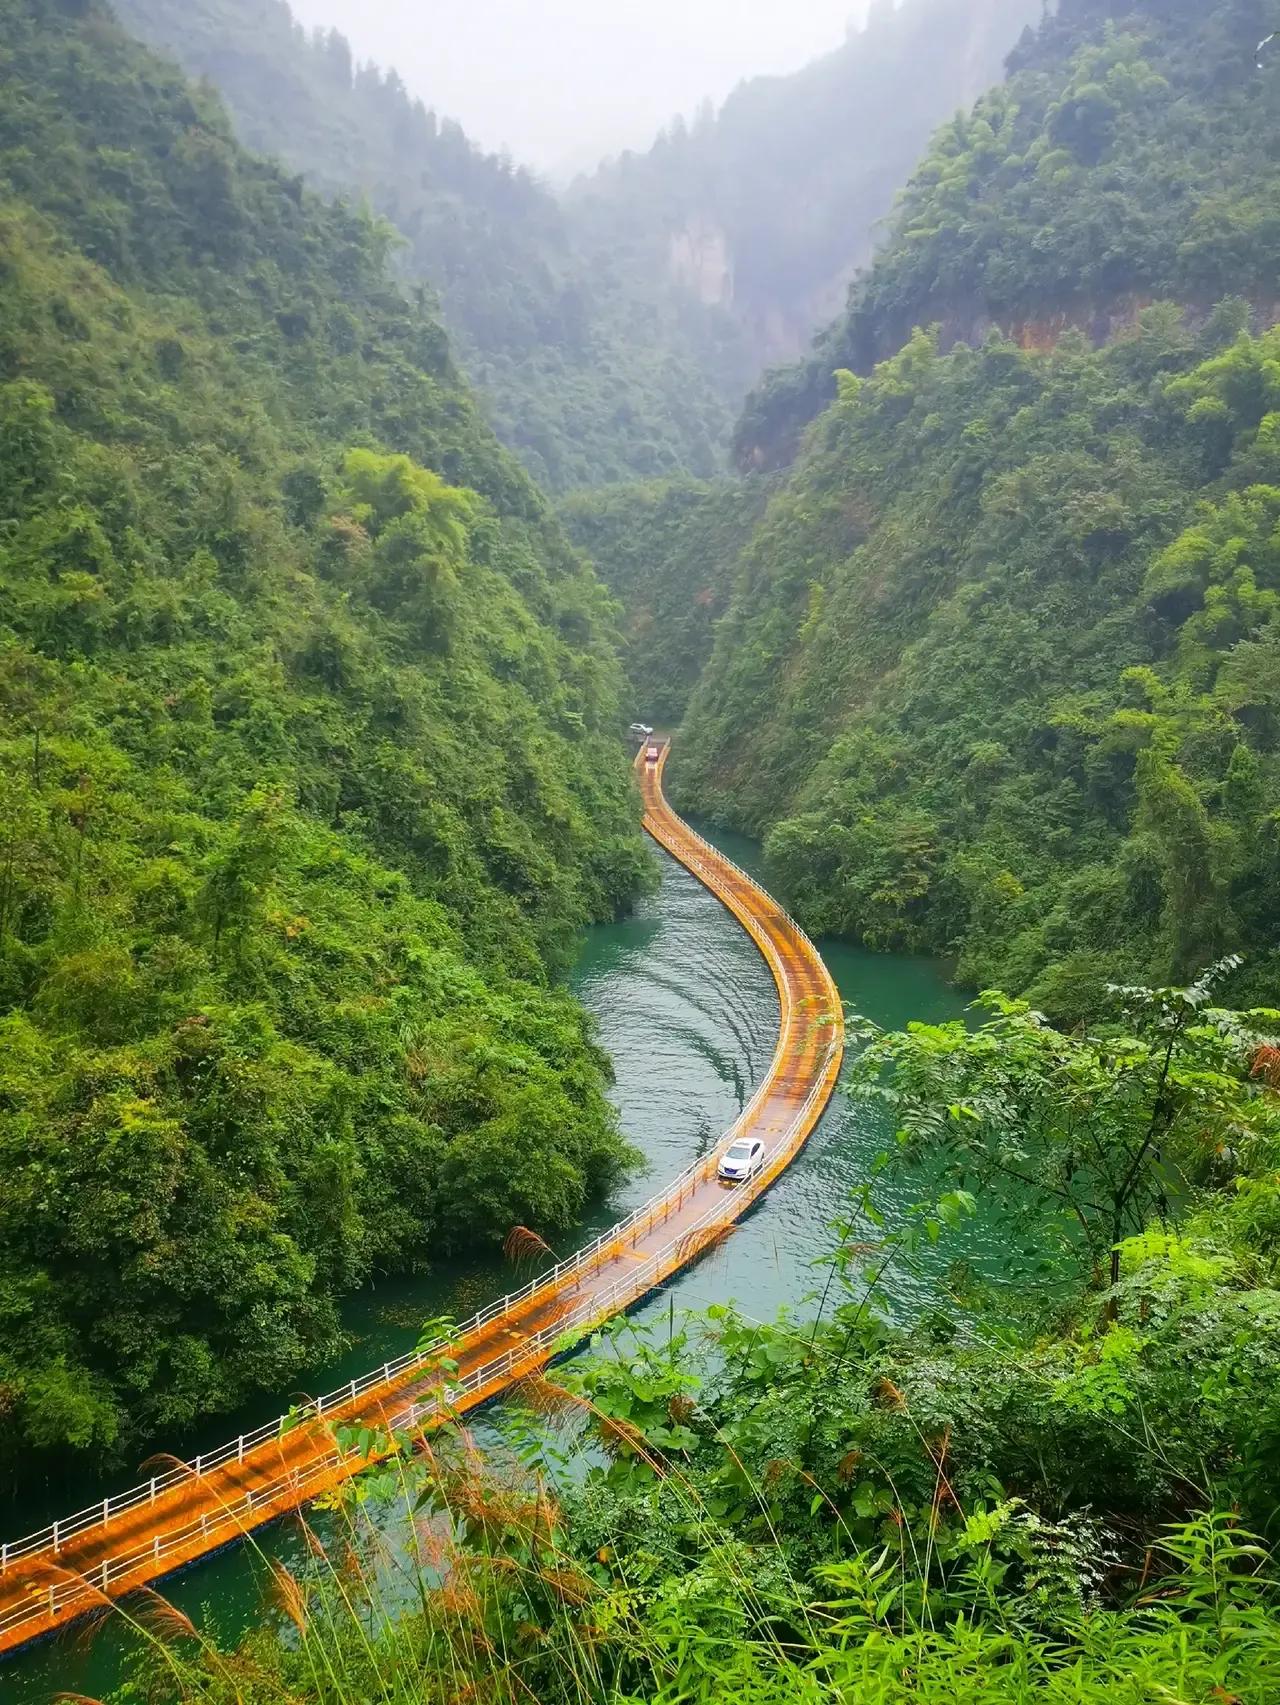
(654, 753)
(641, 730)
(741, 1160)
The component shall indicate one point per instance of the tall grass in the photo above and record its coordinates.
(453, 1576)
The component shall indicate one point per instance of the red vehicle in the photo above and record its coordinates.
(654, 752)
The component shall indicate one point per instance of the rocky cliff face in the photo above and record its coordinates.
(968, 321)
(765, 444)
(767, 210)
(700, 261)
(781, 332)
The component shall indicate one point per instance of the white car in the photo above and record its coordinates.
(641, 730)
(742, 1159)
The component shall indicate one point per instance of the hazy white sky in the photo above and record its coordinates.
(562, 82)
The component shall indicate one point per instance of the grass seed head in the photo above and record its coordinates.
(521, 1244)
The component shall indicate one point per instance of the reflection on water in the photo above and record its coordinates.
(688, 1013)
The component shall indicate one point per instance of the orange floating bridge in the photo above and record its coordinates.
(77, 1565)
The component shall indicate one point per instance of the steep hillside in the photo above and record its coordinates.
(998, 676)
(588, 375)
(768, 207)
(308, 768)
(669, 553)
(1130, 155)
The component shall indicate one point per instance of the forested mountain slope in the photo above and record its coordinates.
(767, 207)
(999, 677)
(308, 768)
(614, 334)
(1130, 155)
(668, 551)
(588, 374)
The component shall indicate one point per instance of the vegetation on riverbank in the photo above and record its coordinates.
(1060, 1482)
(309, 770)
(997, 679)
(993, 683)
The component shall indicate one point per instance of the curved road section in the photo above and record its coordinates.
(99, 1554)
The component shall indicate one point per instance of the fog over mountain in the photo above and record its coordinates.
(561, 83)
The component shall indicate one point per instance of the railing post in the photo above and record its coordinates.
(240, 1448)
(106, 1511)
(199, 1469)
(153, 1489)
(55, 1539)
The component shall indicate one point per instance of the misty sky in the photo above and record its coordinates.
(563, 82)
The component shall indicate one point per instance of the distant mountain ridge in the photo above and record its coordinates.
(768, 208)
(585, 378)
(614, 334)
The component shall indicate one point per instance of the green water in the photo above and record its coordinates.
(688, 1014)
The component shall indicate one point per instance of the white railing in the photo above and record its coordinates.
(237, 1515)
(599, 1305)
(55, 1537)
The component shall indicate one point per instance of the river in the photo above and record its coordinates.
(688, 1014)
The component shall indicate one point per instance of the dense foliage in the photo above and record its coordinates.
(309, 769)
(589, 373)
(1048, 1490)
(999, 674)
(668, 551)
(768, 206)
(1130, 155)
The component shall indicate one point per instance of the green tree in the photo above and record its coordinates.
(1097, 1130)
